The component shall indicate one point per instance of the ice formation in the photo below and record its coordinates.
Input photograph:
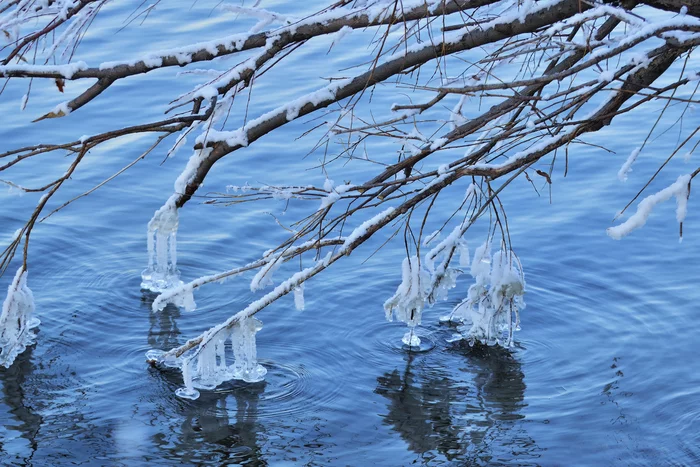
(207, 368)
(182, 296)
(491, 312)
(299, 297)
(162, 272)
(16, 320)
(409, 300)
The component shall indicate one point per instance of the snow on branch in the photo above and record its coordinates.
(680, 189)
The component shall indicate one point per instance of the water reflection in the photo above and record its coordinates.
(470, 413)
(20, 424)
(220, 426)
(163, 332)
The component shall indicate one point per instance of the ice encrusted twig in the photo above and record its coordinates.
(203, 361)
(183, 295)
(627, 166)
(17, 321)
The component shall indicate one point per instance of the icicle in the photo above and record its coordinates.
(16, 320)
(447, 280)
(245, 366)
(463, 249)
(162, 272)
(211, 364)
(188, 392)
(299, 297)
(444, 278)
(490, 313)
(409, 300)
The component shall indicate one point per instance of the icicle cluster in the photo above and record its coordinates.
(444, 277)
(16, 321)
(409, 300)
(490, 313)
(427, 283)
(208, 367)
(162, 272)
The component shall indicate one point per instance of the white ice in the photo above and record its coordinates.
(162, 273)
(409, 300)
(491, 312)
(16, 320)
(208, 366)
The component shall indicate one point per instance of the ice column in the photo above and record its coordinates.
(162, 272)
(16, 320)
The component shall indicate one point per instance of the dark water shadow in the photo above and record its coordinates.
(218, 427)
(22, 422)
(469, 415)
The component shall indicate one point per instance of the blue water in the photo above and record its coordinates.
(604, 372)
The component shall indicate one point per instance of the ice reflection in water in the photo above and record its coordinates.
(21, 423)
(226, 423)
(472, 415)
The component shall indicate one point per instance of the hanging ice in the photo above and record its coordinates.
(409, 300)
(491, 312)
(245, 354)
(162, 272)
(16, 320)
(207, 367)
(443, 277)
(299, 297)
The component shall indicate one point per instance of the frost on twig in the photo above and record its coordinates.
(491, 312)
(16, 321)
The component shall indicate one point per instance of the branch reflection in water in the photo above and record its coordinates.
(20, 423)
(470, 413)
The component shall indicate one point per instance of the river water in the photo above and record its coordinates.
(604, 371)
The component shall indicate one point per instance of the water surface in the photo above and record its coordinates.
(605, 370)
